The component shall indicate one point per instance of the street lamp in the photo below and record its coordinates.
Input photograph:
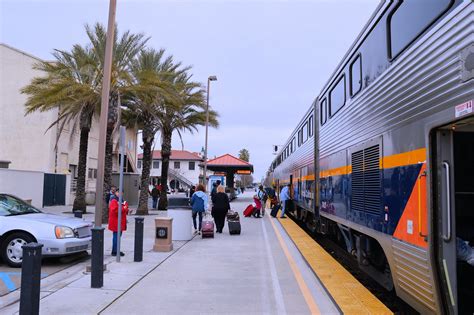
(211, 78)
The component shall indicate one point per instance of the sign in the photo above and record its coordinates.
(162, 232)
(463, 109)
(244, 172)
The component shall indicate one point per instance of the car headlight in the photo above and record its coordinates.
(63, 232)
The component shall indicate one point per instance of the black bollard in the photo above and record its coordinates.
(78, 214)
(97, 259)
(30, 279)
(138, 250)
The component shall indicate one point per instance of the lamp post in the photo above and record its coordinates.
(97, 259)
(211, 78)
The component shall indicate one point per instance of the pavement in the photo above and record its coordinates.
(258, 272)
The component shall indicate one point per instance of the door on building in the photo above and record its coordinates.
(54, 190)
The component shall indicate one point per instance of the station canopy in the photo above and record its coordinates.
(230, 164)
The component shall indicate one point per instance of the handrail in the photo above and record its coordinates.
(447, 237)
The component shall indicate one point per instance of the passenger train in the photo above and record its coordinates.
(384, 157)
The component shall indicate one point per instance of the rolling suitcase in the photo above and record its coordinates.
(275, 210)
(207, 229)
(248, 211)
(234, 227)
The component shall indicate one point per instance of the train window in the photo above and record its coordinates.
(305, 132)
(337, 96)
(300, 137)
(310, 125)
(323, 111)
(293, 145)
(356, 76)
(410, 19)
(288, 151)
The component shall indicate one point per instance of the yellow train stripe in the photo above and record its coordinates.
(402, 159)
(350, 295)
(343, 170)
(308, 297)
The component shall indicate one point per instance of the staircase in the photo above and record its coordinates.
(183, 180)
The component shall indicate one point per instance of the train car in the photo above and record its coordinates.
(392, 153)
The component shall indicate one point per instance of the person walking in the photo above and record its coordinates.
(192, 191)
(155, 193)
(113, 221)
(220, 206)
(284, 198)
(262, 195)
(199, 203)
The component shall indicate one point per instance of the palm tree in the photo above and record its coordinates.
(71, 84)
(151, 85)
(185, 114)
(125, 49)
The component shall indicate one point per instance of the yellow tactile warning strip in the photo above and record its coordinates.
(350, 295)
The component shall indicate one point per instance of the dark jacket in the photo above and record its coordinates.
(221, 203)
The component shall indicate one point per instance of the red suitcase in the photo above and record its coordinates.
(207, 229)
(249, 211)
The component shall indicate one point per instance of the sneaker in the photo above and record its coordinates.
(199, 232)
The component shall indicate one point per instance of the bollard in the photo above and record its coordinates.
(78, 214)
(138, 250)
(30, 279)
(97, 259)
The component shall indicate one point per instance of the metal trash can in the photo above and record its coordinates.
(180, 210)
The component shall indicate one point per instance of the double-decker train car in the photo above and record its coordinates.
(384, 157)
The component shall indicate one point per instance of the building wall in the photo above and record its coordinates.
(23, 139)
(27, 185)
(191, 175)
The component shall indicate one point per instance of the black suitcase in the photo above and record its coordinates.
(234, 227)
(275, 210)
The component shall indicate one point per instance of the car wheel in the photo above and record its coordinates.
(12, 253)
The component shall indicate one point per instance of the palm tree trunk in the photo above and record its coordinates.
(80, 200)
(165, 163)
(147, 137)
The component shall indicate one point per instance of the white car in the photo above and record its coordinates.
(21, 223)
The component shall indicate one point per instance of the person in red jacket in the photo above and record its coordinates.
(113, 220)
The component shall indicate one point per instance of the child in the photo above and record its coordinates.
(258, 207)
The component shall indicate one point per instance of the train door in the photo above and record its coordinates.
(453, 172)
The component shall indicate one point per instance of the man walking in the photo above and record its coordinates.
(155, 193)
(284, 198)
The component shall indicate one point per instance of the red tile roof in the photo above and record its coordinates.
(176, 155)
(228, 160)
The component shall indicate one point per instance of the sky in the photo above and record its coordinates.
(271, 58)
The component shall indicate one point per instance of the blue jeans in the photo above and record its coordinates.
(195, 213)
(114, 241)
(155, 203)
(283, 208)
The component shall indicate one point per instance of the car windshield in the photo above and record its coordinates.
(10, 205)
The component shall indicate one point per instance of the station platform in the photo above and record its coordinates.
(273, 267)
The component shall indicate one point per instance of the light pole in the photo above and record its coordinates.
(97, 259)
(211, 78)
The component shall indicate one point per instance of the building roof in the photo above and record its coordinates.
(228, 161)
(176, 155)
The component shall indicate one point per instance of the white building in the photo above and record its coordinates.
(184, 168)
(26, 144)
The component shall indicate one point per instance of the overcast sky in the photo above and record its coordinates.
(271, 58)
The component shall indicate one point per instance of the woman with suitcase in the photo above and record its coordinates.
(199, 202)
(220, 207)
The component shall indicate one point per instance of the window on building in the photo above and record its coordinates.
(310, 125)
(156, 164)
(192, 166)
(139, 163)
(410, 19)
(73, 170)
(177, 165)
(337, 96)
(92, 173)
(356, 76)
(323, 111)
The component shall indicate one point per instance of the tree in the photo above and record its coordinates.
(244, 155)
(71, 84)
(125, 49)
(145, 97)
(185, 113)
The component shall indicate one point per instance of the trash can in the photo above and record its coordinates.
(180, 210)
(163, 234)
